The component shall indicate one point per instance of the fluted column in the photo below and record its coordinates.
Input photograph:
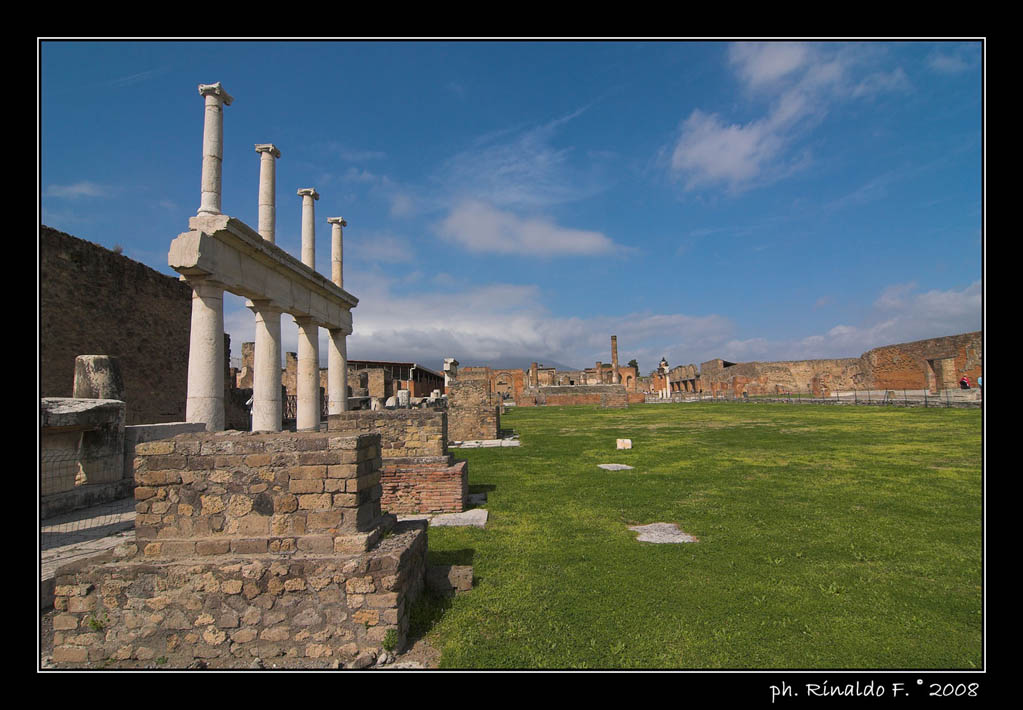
(308, 375)
(267, 226)
(212, 146)
(267, 410)
(205, 399)
(309, 226)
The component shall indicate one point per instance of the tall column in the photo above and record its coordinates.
(212, 145)
(266, 366)
(616, 377)
(308, 375)
(337, 372)
(337, 352)
(337, 250)
(267, 226)
(205, 402)
(309, 226)
(599, 367)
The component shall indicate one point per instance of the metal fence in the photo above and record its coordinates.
(74, 509)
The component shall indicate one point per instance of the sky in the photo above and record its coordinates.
(518, 201)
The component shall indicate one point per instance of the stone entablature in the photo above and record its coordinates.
(223, 249)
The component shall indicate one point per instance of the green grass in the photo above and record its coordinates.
(830, 538)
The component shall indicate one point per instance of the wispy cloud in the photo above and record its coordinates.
(480, 227)
(78, 190)
(123, 81)
(800, 83)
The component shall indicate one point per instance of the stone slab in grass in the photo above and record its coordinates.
(614, 467)
(661, 533)
(477, 518)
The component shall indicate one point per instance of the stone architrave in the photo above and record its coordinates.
(212, 146)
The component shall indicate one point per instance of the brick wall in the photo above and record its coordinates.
(95, 302)
(247, 546)
(418, 475)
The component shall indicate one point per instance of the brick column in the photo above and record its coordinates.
(212, 146)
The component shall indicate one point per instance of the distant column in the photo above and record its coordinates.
(599, 367)
(337, 250)
(616, 378)
(267, 409)
(212, 146)
(205, 401)
(309, 226)
(267, 225)
(308, 375)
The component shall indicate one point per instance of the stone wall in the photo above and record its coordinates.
(95, 302)
(936, 363)
(607, 396)
(403, 432)
(472, 412)
(247, 546)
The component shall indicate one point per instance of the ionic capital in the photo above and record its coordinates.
(337, 220)
(216, 90)
(268, 148)
(309, 192)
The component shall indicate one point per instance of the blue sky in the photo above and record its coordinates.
(518, 201)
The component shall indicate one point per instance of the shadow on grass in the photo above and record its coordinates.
(425, 613)
(441, 558)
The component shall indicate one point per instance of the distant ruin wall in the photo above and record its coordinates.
(95, 302)
(403, 432)
(608, 396)
(935, 364)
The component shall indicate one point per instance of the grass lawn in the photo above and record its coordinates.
(829, 538)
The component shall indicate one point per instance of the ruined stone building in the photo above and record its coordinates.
(934, 364)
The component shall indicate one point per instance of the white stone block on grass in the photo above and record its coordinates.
(624, 443)
(614, 467)
(662, 533)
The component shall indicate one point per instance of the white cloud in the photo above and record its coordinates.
(481, 228)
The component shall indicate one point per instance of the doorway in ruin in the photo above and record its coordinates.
(941, 374)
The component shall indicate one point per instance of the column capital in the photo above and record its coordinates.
(216, 90)
(337, 220)
(268, 148)
(309, 192)
(263, 306)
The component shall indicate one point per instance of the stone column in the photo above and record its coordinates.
(616, 377)
(599, 367)
(212, 145)
(337, 250)
(205, 402)
(308, 376)
(267, 409)
(268, 154)
(534, 375)
(309, 226)
(337, 372)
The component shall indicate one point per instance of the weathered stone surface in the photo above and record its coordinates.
(662, 533)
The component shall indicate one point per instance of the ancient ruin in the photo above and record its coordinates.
(247, 545)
